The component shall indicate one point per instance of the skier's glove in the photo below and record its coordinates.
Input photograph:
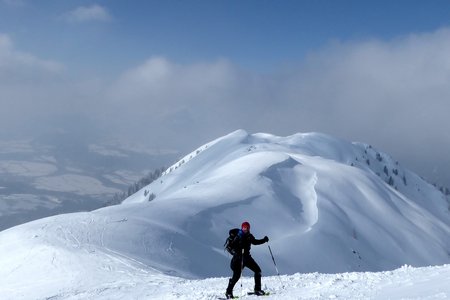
(266, 239)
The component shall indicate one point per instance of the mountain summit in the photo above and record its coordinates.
(327, 205)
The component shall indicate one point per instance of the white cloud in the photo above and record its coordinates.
(382, 88)
(5, 42)
(83, 14)
(30, 88)
(158, 79)
(15, 63)
(165, 97)
(393, 94)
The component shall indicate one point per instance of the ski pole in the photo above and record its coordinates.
(275, 264)
(242, 267)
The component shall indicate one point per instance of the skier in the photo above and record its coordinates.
(242, 258)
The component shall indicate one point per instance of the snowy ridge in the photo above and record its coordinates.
(324, 207)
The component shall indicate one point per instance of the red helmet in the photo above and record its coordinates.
(245, 226)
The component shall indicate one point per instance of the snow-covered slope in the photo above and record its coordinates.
(326, 204)
(319, 199)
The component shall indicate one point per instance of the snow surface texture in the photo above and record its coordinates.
(328, 206)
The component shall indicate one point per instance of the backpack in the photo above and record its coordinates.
(229, 245)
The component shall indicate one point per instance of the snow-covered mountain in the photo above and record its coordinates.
(327, 205)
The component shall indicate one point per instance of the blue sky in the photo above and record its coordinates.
(176, 74)
(259, 35)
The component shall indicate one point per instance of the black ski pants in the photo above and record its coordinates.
(238, 264)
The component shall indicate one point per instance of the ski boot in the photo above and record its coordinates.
(229, 295)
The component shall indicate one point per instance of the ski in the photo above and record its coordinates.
(253, 293)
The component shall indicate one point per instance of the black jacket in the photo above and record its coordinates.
(244, 241)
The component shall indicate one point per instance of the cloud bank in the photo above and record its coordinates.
(393, 94)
